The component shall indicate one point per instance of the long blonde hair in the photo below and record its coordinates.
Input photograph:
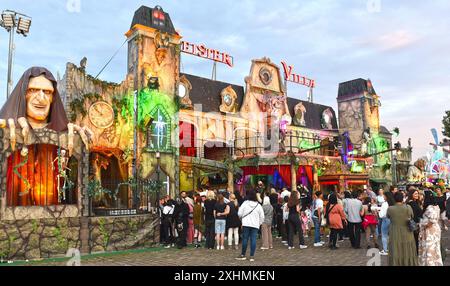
(210, 195)
(233, 199)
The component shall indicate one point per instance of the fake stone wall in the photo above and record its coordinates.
(46, 238)
(122, 233)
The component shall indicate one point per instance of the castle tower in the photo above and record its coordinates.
(358, 107)
(153, 50)
(153, 68)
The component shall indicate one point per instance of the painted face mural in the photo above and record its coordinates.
(39, 96)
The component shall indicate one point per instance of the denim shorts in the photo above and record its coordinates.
(220, 226)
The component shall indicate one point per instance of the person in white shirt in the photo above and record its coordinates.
(252, 216)
(317, 213)
(385, 221)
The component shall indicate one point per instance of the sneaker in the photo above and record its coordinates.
(284, 242)
(306, 235)
(241, 257)
(318, 244)
(167, 246)
(222, 247)
(291, 247)
(264, 248)
(303, 246)
(384, 253)
(271, 247)
(218, 247)
(322, 242)
(252, 259)
(340, 240)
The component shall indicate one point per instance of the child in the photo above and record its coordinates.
(306, 222)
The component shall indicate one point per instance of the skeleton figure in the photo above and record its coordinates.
(61, 161)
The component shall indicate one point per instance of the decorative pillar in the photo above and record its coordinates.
(230, 181)
(293, 178)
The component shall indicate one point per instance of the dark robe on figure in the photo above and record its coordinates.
(37, 170)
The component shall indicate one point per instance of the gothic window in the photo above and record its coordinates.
(158, 135)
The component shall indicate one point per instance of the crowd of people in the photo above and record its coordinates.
(404, 225)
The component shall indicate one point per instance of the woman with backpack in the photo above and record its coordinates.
(402, 247)
(233, 223)
(252, 216)
(336, 219)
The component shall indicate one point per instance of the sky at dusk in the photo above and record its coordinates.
(402, 46)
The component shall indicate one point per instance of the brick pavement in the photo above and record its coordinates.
(279, 256)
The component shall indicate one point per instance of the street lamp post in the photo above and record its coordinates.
(13, 22)
(158, 172)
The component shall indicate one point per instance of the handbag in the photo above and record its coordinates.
(412, 225)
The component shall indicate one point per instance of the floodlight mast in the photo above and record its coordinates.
(13, 22)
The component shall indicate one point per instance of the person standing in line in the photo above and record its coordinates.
(191, 229)
(221, 210)
(279, 217)
(370, 222)
(385, 221)
(414, 202)
(181, 215)
(199, 221)
(294, 224)
(285, 212)
(355, 211)
(402, 247)
(335, 219)
(233, 222)
(209, 204)
(167, 223)
(347, 197)
(430, 233)
(266, 227)
(317, 213)
(252, 217)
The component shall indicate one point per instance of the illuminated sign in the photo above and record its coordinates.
(289, 75)
(203, 52)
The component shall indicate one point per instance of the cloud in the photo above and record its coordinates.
(395, 40)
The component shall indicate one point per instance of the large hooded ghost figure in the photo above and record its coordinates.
(32, 179)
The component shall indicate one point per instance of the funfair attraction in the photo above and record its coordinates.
(85, 161)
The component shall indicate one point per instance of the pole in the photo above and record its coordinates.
(135, 139)
(10, 61)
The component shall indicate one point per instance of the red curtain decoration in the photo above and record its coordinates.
(187, 139)
(305, 170)
(285, 172)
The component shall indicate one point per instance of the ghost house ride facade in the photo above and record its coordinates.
(92, 184)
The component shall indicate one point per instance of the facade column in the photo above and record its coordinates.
(230, 181)
(293, 178)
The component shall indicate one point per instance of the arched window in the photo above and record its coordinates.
(158, 135)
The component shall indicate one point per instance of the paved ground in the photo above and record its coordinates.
(279, 256)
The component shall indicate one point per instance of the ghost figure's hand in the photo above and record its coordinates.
(12, 133)
(25, 129)
(85, 133)
(70, 138)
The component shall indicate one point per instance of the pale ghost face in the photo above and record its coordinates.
(39, 99)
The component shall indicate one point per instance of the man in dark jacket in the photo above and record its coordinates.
(181, 216)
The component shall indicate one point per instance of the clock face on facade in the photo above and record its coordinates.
(101, 114)
(265, 76)
(227, 99)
